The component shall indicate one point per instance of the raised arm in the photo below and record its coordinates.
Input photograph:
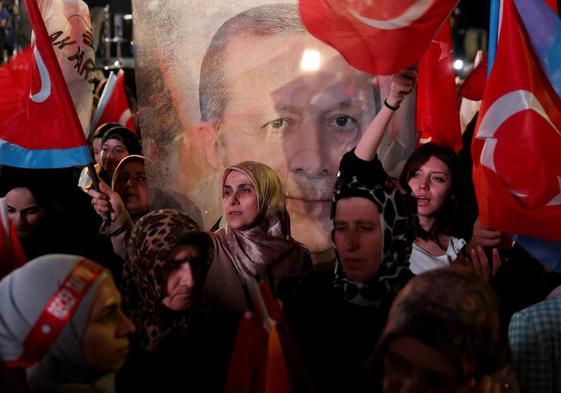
(402, 84)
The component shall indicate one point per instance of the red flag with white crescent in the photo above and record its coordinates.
(473, 87)
(517, 170)
(113, 105)
(379, 37)
(39, 126)
(438, 117)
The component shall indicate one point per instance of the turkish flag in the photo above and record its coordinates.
(39, 127)
(517, 169)
(473, 87)
(438, 117)
(381, 37)
(113, 106)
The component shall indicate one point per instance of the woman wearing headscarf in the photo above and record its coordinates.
(131, 197)
(444, 333)
(61, 319)
(117, 143)
(179, 344)
(338, 315)
(94, 142)
(52, 215)
(256, 244)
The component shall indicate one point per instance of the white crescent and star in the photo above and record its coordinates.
(500, 111)
(45, 91)
(410, 15)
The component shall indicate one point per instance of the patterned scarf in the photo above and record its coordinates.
(152, 239)
(397, 215)
(268, 240)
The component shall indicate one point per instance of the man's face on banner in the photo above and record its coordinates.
(294, 104)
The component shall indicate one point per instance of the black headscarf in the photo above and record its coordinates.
(358, 178)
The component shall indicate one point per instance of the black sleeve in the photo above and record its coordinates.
(368, 173)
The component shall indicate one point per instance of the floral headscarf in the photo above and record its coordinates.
(153, 238)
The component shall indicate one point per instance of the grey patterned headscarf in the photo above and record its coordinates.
(23, 295)
(397, 217)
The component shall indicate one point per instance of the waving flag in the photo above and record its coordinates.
(39, 127)
(379, 37)
(113, 106)
(69, 27)
(473, 87)
(517, 170)
(438, 117)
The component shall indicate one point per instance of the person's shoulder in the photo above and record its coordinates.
(549, 308)
(352, 168)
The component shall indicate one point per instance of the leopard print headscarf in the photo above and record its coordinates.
(397, 217)
(151, 241)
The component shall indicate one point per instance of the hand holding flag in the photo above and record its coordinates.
(517, 171)
(113, 106)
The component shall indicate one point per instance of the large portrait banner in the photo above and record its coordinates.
(224, 82)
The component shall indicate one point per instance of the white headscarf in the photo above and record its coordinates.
(23, 295)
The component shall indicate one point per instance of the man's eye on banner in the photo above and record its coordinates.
(363, 30)
(249, 82)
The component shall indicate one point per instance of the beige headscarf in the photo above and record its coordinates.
(268, 241)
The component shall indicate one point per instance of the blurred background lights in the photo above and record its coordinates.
(458, 64)
(310, 60)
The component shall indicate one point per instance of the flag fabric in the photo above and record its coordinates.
(113, 106)
(473, 87)
(381, 37)
(12, 255)
(39, 127)
(552, 4)
(438, 116)
(517, 170)
(548, 252)
(70, 31)
(258, 362)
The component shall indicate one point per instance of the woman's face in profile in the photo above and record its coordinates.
(239, 200)
(105, 341)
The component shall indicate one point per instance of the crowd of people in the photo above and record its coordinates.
(7, 30)
(123, 295)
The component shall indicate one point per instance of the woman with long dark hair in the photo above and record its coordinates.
(433, 176)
